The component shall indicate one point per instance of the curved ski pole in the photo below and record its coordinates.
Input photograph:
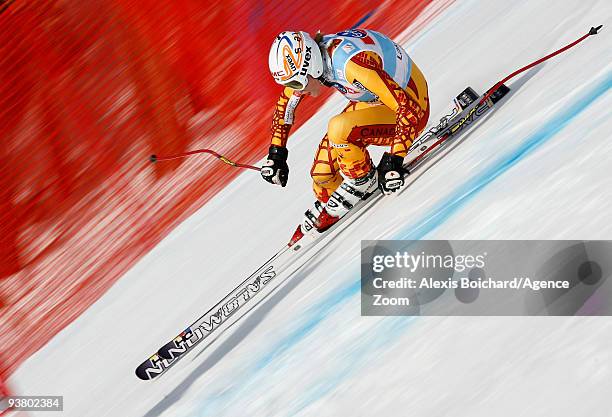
(498, 88)
(591, 32)
(155, 158)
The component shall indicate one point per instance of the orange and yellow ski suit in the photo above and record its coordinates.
(380, 112)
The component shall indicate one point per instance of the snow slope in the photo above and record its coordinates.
(538, 168)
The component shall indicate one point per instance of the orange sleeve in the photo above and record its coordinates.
(366, 68)
(283, 116)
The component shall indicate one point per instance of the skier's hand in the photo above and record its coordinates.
(275, 170)
(390, 173)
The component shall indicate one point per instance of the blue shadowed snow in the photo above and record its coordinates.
(388, 330)
(315, 316)
(476, 184)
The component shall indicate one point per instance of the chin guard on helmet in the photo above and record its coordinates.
(293, 57)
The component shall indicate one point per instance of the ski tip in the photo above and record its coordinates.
(153, 159)
(595, 30)
(141, 371)
(140, 374)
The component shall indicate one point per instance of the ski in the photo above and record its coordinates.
(468, 108)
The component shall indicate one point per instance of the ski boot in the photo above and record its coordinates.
(321, 216)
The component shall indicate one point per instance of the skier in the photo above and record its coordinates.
(388, 106)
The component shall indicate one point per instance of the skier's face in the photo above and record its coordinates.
(313, 87)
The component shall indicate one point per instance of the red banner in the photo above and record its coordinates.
(88, 90)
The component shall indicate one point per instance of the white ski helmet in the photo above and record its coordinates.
(294, 56)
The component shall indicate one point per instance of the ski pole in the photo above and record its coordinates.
(155, 158)
(592, 31)
(492, 90)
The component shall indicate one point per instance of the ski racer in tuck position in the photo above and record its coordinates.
(388, 106)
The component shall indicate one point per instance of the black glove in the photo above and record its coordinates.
(390, 173)
(275, 170)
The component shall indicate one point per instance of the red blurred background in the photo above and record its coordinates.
(88, 90)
